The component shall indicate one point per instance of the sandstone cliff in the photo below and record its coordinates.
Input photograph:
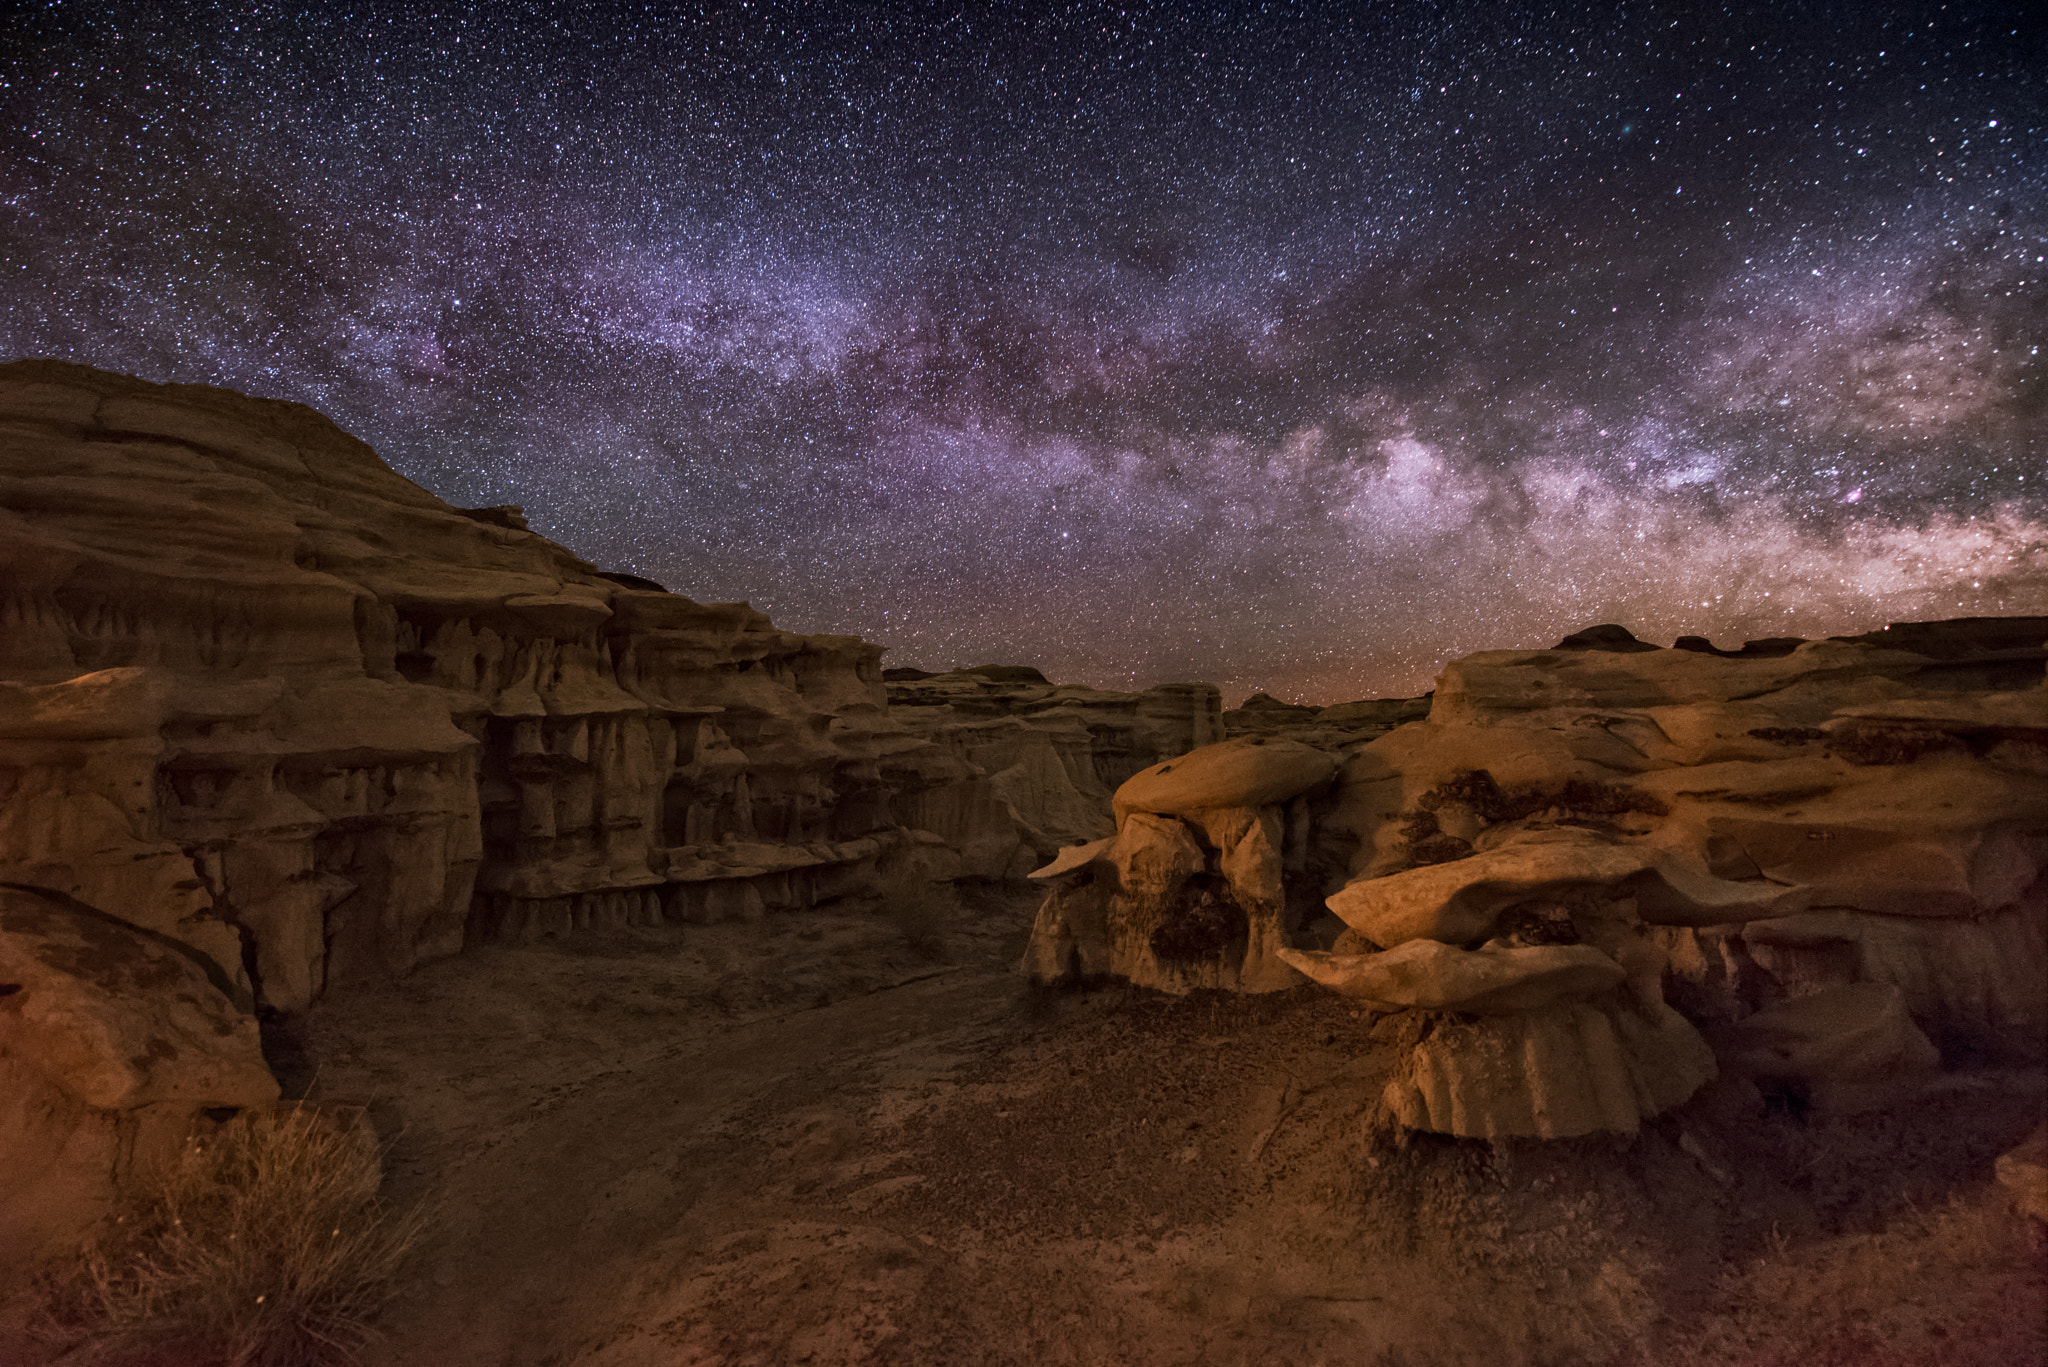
(263, 695)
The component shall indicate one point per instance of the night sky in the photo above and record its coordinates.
(1292, 347)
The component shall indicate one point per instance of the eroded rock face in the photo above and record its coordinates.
(1016, 768)
(263, 695)
(112, 1039)
(1193, 890)
(1335, 725)
(1833, 849)
(1552, 1072)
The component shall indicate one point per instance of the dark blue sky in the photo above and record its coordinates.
(1292, 347)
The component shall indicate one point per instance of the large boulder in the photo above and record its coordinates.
(113, 1039)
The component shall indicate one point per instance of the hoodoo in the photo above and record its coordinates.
(1827, 860)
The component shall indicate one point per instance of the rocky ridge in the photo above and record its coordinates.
(1038, 762)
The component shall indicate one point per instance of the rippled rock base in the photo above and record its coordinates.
(1569, 1069)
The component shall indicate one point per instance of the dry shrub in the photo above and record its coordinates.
(921, 908)
(262, 1244)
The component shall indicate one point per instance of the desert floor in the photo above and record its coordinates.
(852, 1139)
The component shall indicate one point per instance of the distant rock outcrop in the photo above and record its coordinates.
(1192, 889)
(1830, 860)
(1028, 766)
(1337, 724)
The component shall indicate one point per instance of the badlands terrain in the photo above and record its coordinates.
(722, 997)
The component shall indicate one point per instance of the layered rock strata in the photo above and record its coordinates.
(1828, 858)
(263, 696)
(1032, 764)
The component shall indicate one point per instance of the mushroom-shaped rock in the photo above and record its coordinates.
(1106, 924)
(1458, 902)
(1854, 1047)
(1489, 981)
(1149, 908)
(1247, 772)
(1569, 1069)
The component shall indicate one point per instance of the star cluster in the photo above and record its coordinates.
(1294, 347)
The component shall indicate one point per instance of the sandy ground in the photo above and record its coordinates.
(846, 1139)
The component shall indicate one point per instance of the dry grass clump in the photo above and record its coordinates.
(921, 908)
(1962, 1285)
(262, 1244)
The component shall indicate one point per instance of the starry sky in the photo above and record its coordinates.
(1293, 347)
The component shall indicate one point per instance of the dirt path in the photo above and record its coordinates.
(809, 1142)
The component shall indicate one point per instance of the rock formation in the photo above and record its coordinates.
(262, 695)
(1193, 888)
(267, 702)
(1828, 858)
(1338, 724)
(1032, 765)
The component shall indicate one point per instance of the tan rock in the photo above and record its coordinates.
(1027, 767)
(1252, 865)
(1459, 902)
(252, 678)
(1157, 908)
(1070, 939)
(118, 1018)
(1491, 980)
(1250, 772)
(1891, 865)
(112, 1040)
(1073, 857)
(1498, 684)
